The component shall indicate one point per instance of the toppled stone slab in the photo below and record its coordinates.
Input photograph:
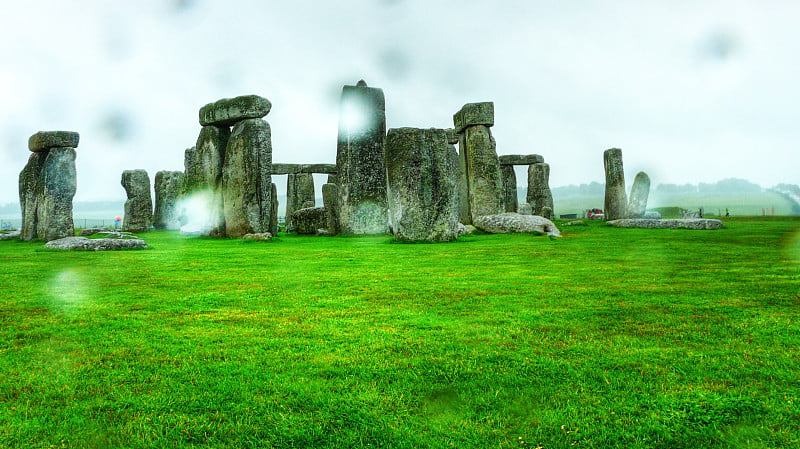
(462, 229)
(228, 111)
(516, 223)
(44, 140)
(258, 237)
(474, 114)
(309, 220)
(692, 223)
(521, 159)
(92, 231)
(654, 215)
(10, 235)
(574, 223)
(86, 244)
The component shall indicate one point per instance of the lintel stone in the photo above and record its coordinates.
(521, 159)
(474, 114)
(44, 140)
(228, 111)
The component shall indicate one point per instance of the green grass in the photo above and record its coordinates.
(606, 338)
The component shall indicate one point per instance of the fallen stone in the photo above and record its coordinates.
(574, 223)
(139, 205)
(463, 229)
(44, 140)
(653, 215)
(598, 217)
(472, 114)
(516, 223)
(520, 159)
(228, 111)
(525, 209)
(92, 231)
(86, 244)
(10, 235)
(258, 237)
(694, 223)
(309, 220)
(616, 200)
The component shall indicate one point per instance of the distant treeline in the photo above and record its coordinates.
(729, 185)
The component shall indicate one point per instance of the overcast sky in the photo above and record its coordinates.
(692, 91)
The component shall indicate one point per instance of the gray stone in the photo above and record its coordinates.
(693, 223)
(461, 194)
(637, 204)
(299, 193)
(574, 223)
(44, 140)
(30, 191)
(309, 220)
(520, 159)
(452, 136)
(273, 221)
(228, 111)
(259, 237)
(463, 229)
(139, 206)
(361, 176)
(168, 187)
(509, 188)
(58, 183)
(285, 169)
(616, 201)
(92, 231)
(464, 215)
(516, 223)
(247, 179)
(202, 179)
(332, 179)
(472, 114)
(288, 169)
(86, 244)
(10, 235)
(653, 215)
(525, 209)
(330, 200)
(422, 185)
(482, 170)
(539, 195)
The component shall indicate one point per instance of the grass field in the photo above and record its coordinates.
(606, 338)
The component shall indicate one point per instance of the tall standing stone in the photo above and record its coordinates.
(539, 195)
(361, 176)
(30, 191)
(510, 201)
(422, 185)
(299, 193)
(616, 201)
(330, 200)
(139, 206)
(247, 179)
(273, 221)
(637, 205)
(481, 165)
(203, 176)
(168, 186)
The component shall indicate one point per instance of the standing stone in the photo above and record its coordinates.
(509, 188)
(361, 176)
(616, 201)
(273, 222)
(139, 206)
(247, 179)
(58, 182)
(203, 178)
(539, 195)
(481, 165)
(330, 200)
(637, 205)
(30, 191)
(168, 186)
(299, 193)
(422, 185)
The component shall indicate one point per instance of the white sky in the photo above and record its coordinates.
(692, 91)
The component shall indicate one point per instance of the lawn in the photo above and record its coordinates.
(606, 338)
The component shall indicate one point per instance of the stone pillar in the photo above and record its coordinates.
(461, 193)
(203, 177)
(273, 222)
(330, 200)
(47, 186)
(422, 185)
(637, 205)
(509, 188)
(539, 195)
(361, 176)
(481, 164)
(168, 186)
(139, 206)
(616, 201)
(299, 193)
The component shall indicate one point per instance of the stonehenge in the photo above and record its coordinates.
(539, 197)
(139, 205)
(47, 186)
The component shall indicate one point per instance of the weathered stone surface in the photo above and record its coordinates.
(228, 111)
(462, 197)
(44, 140)
(139, 206)
(202, 180)
(637, 204)
(59, 182)
(509, 188)
(361, 176)
(574, 223)
(482, 170)
(330, 200)
(422, 185)
(516, 223)
(30, 191)
(86, 244)
(525, 209)
(539, 195)
(260, 237)
(616, 201)
(463, 229)
(92, 231)
(247, 179)
(521, 159)
(309, 220)
(693, 223)
(168, 187)
(10, 235)
(299, 193)
(472, 114)
(273, 221)
(287, 169)
(653, 215)
(452, 136)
